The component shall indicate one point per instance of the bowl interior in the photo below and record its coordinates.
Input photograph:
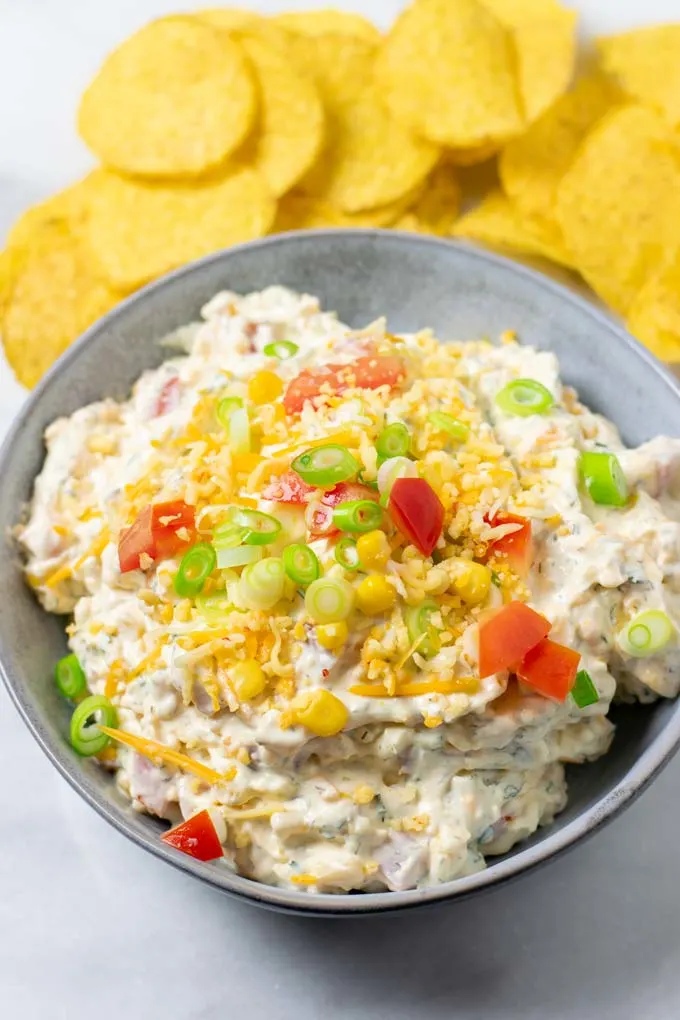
(463, 294)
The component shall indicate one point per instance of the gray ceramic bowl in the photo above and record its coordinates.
(416, 281)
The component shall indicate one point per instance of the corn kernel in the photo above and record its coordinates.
(373, 550)
(472, 582)
(375, 595)
(332, 636)
(265, 387)
(363, 794)
(248, 680)
(321, 712)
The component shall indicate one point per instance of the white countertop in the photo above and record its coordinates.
(90, 925)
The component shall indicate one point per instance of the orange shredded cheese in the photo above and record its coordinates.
(159, 753)
(463, 685)
(304, 879)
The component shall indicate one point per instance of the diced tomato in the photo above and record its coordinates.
(196, 837)
(289, 488)
(168, 398)
(367, 372)
(320, 520)
(417, 512)
(518, 546)
(507, 636)
(550, 668)
(155, 533)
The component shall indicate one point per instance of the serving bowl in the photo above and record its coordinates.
(416, 281)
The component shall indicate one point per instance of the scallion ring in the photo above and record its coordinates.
(390, 470)
(603, 478)
(455, 428)
(524, 397)
(358, 515)
(584, 692)
(86, 737)
(393, 441)
(226, 408)
(229, 536)
(262, 584)
(196, 567)
(281, 349)
(646, 634)
(259, 528)
(418, 624)
(215, 607)
(239, 556)
(239, 431)
(69, 677)
(329, 600)
(301, 563)
(326, 465)
(346, 553)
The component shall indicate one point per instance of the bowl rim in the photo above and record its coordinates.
(645, 768)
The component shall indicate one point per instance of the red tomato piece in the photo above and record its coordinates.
(168, 398)
(517, 547)
(321, 522)
(154, 533)
(196, 837)
(288, 488)
(368, 372)
(417, 512)
(507, 636)
(550, 668)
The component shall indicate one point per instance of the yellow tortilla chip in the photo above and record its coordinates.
(298, 211)
(436, 210)
(340, 65)
(654, 314)
(321, 22)
(532, 166)
(470, 157)
(235, 19)
(446, 71)
(291, 121)
(646, 61)
(611, 202)
(138, 230)
(72, 204)
(55, 295)
(545, 38)
(499, 224)
(174, 99)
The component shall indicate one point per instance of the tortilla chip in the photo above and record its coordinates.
(646, 62)
(321, 22)
(496, 222)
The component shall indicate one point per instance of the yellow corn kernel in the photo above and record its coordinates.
(472, 582)
(321, 712)
(265, 387)
(363, 794)
(332, 636)
(373, 550)
(248, 680)
(375, 595)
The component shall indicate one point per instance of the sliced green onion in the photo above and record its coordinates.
(603, 478)
(358, 515)
(238, 557)
(262, 584)
(419, 626)
(326, 465)
(282, 349)
(346, 553)
(646, 634)
(584, 692)
(239, 431)
(229, 536)
(258, 528)
(86, 737)
(196, 567)
(524, 397)
(226, 408)
(395, 467)
(329, 600)
(371, 483)
(214, 608)
(393, 441)
(301, 563)
(447, 423)
(69, 677)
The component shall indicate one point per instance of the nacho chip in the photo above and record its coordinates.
(446, 71)
(544, 33)
(138, 230)
(654, 314)
(340, 65)
(499, 224)
(532, 166)
(71, 203)
(611, 202)
(174, 99)
(321, 22)
(291, 122)
(470, 157)
(235, 19)
(646, 62)
(298, 211)
(55, 295)
(436, 211)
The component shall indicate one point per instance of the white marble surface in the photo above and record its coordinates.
(91, 926)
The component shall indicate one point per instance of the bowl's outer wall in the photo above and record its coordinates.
(463, 294)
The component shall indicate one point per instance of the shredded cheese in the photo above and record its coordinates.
(159, 753)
